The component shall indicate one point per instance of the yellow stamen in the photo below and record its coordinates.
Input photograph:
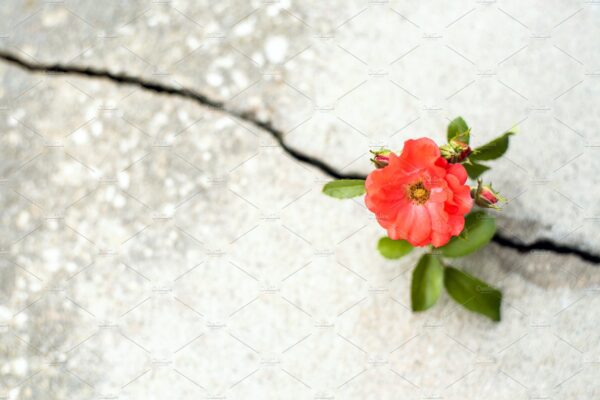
(418, 193)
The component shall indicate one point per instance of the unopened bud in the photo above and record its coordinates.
(485, 196)
(381, 158)
(455, 151)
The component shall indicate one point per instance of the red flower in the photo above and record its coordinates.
(419, 196)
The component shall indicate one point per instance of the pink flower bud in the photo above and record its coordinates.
(381, 158)
(485, 196)
(381, 161)
(488, 195)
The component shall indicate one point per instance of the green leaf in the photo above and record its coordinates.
(345, 188)
(474, 170)
(473, 294)
(492, 150)
(459, 130)
(478, 231)
(427, 282)
(393, 249)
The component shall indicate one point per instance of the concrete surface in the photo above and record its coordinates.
(152, 248)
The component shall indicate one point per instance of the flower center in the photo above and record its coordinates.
(418, 193)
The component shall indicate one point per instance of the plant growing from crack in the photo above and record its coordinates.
(421, 198)
(55, 69)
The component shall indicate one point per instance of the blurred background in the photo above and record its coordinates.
(153, 247)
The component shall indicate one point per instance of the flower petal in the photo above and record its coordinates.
(458, 171)
(418, 154)
(413, 224)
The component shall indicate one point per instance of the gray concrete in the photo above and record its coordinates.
(153, 248)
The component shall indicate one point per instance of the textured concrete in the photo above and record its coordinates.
(153, 248)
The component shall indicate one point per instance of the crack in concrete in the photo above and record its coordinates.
(545, 245)
(190, 94)
(278, 135)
